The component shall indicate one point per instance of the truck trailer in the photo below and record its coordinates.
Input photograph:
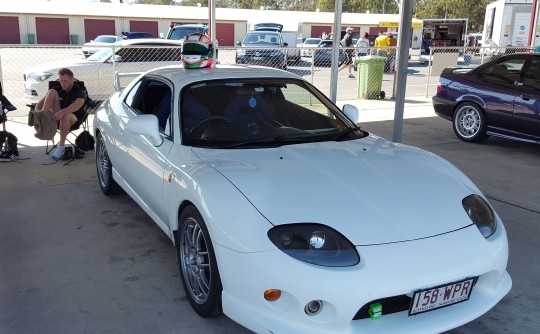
(508, 22)
(442, 33)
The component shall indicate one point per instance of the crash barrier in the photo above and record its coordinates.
(15, 60)
(442, 57)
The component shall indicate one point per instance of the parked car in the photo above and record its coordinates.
(499, 98)
(309, 43)
(97, 71)
(262, 48)
(179, 31)
(322, 55)
(99, 43)
(228, 162)
(136, 34)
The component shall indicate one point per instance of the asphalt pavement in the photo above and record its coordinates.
(75, 261)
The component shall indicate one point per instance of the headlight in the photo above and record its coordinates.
(314, 243)
(241, 52)
(39, 77)
(481, 214)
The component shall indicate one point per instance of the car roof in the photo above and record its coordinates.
(191, 25)
(148, 41)
(182, 76)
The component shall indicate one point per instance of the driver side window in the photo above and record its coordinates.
(153, 97)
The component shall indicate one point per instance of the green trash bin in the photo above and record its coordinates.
(74, 39)
(31, 39)
(370, 75)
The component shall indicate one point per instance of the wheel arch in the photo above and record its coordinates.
(181, 206)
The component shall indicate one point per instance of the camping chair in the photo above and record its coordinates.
(89, 106)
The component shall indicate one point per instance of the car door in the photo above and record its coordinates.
(141, 163)
(527, 108)
(498, 86)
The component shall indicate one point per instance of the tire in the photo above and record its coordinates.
(197, 263)
(470, 123)
(104, 168)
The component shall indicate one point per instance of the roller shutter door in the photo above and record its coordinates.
(316, 31)
(144, 26)
(10, 30)
(52, 30)
(94, 28)
(225, 34)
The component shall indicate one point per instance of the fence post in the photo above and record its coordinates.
(429, 70)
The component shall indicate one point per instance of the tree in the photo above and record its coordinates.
(453, 9)
(362, 6)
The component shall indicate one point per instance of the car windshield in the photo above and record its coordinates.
(261, 38)
(312, 41)
(181, 32)
(254, 113)
(105, 39)
(325, 44)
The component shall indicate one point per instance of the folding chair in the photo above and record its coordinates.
(89, 106)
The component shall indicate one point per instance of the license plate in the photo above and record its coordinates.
(441, 296)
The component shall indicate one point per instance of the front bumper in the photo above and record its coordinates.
(384, 271)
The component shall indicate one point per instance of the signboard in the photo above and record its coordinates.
(396, 25)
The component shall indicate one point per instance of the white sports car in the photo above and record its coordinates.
(288, 217)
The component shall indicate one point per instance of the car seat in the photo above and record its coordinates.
(249, 110)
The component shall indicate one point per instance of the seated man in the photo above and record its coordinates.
(66, 102)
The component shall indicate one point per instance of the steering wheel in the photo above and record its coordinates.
(198, 130)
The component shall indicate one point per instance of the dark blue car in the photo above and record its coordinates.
(499, 98)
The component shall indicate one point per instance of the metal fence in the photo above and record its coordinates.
(98, 73)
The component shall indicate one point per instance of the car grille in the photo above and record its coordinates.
(389, 305)
(259, 53)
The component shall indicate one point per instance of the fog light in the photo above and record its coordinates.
(313, 307)
(272, 294)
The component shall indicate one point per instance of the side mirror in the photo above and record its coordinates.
(351, 112)
(146, 125)
(285, 44)
(238, 43)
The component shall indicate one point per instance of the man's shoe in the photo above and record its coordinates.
(351, 76)
(10, 155)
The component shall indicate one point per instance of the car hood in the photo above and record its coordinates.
(91, 44)
(55, 65)
(371, 190)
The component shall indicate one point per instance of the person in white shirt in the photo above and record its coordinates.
(363, 44)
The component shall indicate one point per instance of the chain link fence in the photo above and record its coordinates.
(373, 78)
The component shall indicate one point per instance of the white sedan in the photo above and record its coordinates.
(289, 218)
(98, 70)
(99, 43)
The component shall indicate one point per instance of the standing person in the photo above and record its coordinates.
(381, 44)
(363, 44)
(324, 35)
(389, 66)
(66, 102)
(349, 52)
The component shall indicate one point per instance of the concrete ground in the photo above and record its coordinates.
(75, 261)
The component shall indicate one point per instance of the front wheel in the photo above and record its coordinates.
(470, 123)
(198, 266)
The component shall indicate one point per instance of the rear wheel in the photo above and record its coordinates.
(470, 122)
(104, 168)
(198, 266)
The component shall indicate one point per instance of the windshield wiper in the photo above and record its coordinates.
(343, 133)
(278, 140)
